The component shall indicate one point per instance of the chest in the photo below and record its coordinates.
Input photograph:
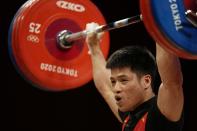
(140, 126)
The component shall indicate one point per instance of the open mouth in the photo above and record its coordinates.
(118, 98)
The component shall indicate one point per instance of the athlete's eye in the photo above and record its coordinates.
(124, 81)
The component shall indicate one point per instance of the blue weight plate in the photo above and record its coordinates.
(170, 18)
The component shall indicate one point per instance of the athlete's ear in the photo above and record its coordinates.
(147, 79)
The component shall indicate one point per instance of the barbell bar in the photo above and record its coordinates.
(192, 17)
(65, 37)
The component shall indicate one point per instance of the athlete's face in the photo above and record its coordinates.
(129, 90)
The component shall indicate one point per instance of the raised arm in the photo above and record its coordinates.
(101, 75)
(170, 95)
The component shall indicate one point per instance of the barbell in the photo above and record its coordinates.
(46, 42)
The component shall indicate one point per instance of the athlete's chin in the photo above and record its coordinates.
(123, 109)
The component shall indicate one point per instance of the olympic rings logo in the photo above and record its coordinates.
(33, 38)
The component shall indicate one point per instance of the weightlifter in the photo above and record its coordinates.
(126, 82)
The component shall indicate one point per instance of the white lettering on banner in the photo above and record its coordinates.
(70, 6)
(176, 14)
(58, 69)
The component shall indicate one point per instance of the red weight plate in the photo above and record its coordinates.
(157, 34)
(34, 43)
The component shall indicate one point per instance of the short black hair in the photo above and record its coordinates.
(138, 58)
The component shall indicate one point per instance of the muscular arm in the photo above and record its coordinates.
(101, 75)
(170, 95)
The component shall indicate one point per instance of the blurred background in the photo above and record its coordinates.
(28, 108)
